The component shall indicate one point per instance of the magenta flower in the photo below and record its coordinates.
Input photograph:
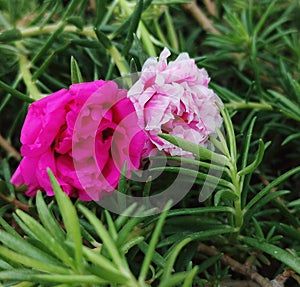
(67, 128)
(174, 98)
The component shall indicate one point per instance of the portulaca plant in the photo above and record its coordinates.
(149, 143)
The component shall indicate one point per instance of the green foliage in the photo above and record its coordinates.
(57, 256)
(251, 208)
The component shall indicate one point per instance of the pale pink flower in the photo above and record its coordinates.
(174, 98)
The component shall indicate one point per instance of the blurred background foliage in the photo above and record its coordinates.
(251, 50)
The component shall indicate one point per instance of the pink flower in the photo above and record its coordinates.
(174, 98)
(66, 129)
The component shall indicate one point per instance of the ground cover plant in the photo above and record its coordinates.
(237, 223)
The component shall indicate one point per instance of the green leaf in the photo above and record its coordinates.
(123, 27)
(46, 238)
(220, 144)
(258, 229)
(290, 107)
(47, 45)
(76, 21)
(264, 17)
(48, 219)
(270, 32)
(122, 186)
(76, 76)
(40, 14)
(270, 234)
(290, 138)
(70, 8)
(9, 229)
(194, 211)
(201, 235)
(124, 232)
(168, 269)
(171, 30)
(147, 186)
(209, 262)
(194, 162)
(105, 268)
(259, 156)
(10, 35)
(230, 132)
(108, 242)
(103, 39)
(21, 246)
(154, 239)
(4, 265)
(273, 184)
(261, 257)
(188, 282)
(247, 143)
(111, 225)
(197, 177)
(70, 218)
(25, 229)
(294, 203)
(174, 238)
(32, 276)
(133, 71)
(156, 258)
(262, 202)
(175, 279)
(225, 93)
(245, 180)
(122, 219)
(134, 22)
(7, 177)
(31, 262)
(47, 17)
(43, 67)
(15, 93)
(141, 53)
(168, 2)
(4, 187)
(90, 43)
(226, 194)
(287, 230)
(286, 213)
(131, 243)
(276, 252)
(290, 115)
(198, 151)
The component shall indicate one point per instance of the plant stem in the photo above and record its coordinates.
(171, 31)
(159, 33)
(9, 148)
(237, 202)
(200, 17)
(233, 172)
(211, 8)
(119, 60)
(15, 202)
(109, 12)
(235, 265)
(249, 105)
(24, 64)
(86, 31)
(141, 31)
(50, 28)
(146, 39)
(134, 283)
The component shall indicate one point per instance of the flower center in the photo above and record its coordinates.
(107, 133)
